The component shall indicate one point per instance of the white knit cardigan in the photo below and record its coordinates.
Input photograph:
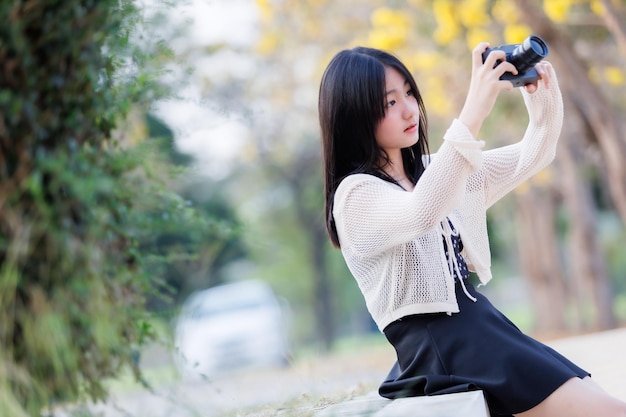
(391, 239)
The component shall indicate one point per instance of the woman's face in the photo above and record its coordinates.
(399, 128)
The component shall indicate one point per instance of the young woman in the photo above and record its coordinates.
(411, 225)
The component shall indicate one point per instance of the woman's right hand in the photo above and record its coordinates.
(485, 85)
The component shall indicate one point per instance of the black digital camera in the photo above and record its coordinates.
(523, 56)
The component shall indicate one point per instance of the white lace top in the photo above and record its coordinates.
(391, 238)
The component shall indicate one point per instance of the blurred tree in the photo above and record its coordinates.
(603, 128)
(295, 38)
(160, 131)
(78, 199)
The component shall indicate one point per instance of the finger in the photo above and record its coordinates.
(495, 56)
(477, 54)
(505, 67)
(531, 88)
(544, 77)
(545, 73)
(547, 65)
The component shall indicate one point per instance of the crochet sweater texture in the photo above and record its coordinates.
(391, 239)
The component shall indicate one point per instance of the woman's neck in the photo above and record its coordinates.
(396, 171)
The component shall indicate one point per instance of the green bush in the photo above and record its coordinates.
(75, 202)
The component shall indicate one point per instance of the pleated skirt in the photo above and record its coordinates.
(478, 348)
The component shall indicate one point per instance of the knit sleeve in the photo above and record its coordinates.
(372, 215)
(506, 167)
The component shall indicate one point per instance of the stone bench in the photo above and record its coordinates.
(465, 404)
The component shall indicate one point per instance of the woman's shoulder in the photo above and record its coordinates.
(361, 183)
(360, 179)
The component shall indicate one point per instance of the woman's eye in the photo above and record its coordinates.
(390, 103)
(410, 93)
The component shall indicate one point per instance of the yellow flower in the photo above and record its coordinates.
(443, 35)
(594, 75)
(268, 43)
(614, 76)
(424, 60)
(505, 11)
(444, 13)
(557, 10)
(387, 38)
(597, 7)
(516, 33)
(476, 36)
(265, 8)
(385, 16)
(435, 95)
(391, 28)
(472, 13)
(448, 27)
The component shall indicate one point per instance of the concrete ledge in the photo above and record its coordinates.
(466, 404)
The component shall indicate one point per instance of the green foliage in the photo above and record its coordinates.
(77, 204)
(183, 239)
(194, 243)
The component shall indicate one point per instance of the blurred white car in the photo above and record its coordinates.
(230, 327)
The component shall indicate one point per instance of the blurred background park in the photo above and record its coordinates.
(153, 149)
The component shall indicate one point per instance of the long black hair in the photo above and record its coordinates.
(351, 104)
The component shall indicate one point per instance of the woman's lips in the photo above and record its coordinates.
(411, 128)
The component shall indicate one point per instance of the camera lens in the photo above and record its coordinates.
(528, 53)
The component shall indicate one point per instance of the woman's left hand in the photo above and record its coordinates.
(545, 71)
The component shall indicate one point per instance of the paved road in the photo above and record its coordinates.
(602, 354)
(315, 383)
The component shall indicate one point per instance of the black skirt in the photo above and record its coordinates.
(478, 348)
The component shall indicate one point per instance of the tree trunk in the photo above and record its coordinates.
(586, 264)
(540, 258)
(596, 112)
(309, 218)
(324, 308)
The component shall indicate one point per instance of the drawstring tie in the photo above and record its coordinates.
(452, 261)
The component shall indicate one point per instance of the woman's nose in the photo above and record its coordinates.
(410, 109)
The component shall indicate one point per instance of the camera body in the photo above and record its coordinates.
(523, 56)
